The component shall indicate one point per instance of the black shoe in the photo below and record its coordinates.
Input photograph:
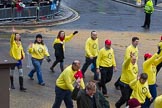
(52, 69)
(143, 26)
(42, 84)
(23, 89)
(12, 87)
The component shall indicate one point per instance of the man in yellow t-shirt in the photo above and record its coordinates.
(149, 67)
(130, 49)
(91, 53)
(129, 73)
(140, 88)
(64, 85)
(160, 64)
(106, 64)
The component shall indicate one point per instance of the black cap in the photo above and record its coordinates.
(39, 36)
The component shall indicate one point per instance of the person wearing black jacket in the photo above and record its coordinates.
(89, 97)
(59, 47)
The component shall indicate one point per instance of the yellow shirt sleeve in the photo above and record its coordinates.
(69, 37)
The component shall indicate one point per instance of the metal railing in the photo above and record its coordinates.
(30, 12)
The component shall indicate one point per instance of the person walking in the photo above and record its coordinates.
(17, 53)
(149, 9)
(64, 85)
(38, 50)
(91, 53)
(106, 64)
(140, 89)
(89, 97)
(160, 64)
(149, 67)
(59, 47)
(133, 48)
(129, 73)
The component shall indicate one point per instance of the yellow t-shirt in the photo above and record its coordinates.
(129, 71)
(67, 79)
(130, 49)
(91, 47)
(149, 67)
(16, 49)
(158, 102)
(140, 91)
(106, 58)
(38, 51)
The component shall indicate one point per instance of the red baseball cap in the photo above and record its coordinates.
(107, 42)
(147, 55)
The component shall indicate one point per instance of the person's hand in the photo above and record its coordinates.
(30, 45)
(13, 29)
(132, 54)
(91, 58)
(78, 82)
(159, 50)
(98, 70)
(75, 32)
(115, 69)
(48, 59)
(138, 77)
(151, 98)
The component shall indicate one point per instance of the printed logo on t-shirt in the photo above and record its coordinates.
(144, 90)
(94, 46)
(109, 55)
(40, 50)
(134, 70)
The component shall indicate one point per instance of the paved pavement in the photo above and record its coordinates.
(43, 97)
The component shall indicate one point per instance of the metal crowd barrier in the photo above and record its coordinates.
(29, 12)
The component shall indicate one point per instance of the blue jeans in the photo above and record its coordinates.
(62, 95)
(153, 92)
(37, 68)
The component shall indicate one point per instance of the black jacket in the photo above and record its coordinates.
(59, 51)
(84, 101)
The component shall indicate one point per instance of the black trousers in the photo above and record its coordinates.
(117, 84)
(155, 2)
(106, 76)
(126, 92)
(158, 67)
(89, 61)
(147, 20)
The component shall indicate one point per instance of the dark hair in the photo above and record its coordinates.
(134, 39)
(59, 33)
(144, 76)
(38, 36)
(15, 37)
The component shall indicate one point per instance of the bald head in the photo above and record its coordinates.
(76, 65)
